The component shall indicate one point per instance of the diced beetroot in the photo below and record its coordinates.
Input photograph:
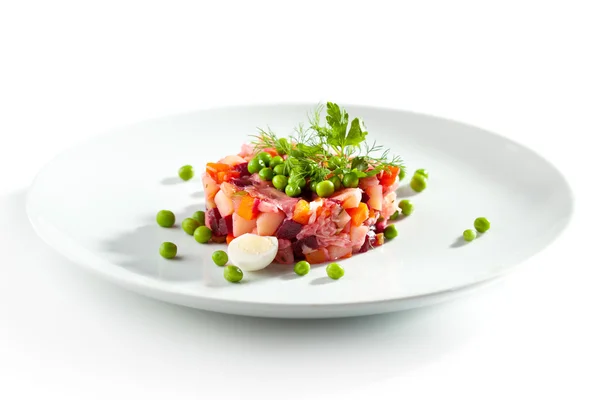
(229, 223)
(242, 169)
(367, 244)
(310, 242)
(364, 198)
(217, 224)
(380, 226)
(289, 229)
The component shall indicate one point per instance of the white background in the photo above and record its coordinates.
(526, 69)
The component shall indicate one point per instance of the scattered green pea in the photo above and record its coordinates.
(390, 232)
(337, 182)
(189, 225)
(418, 183)
(186, 172)
(200, 216)
(275, 161)
(292, 191)
(233, 273)
(350, 180)
(168, 250)
(406, 206)
(325, 188)
(301, 268)
(165, 218)
(266, 174)
(202, 234)
(469, 235)
(265, 157)
(280, 182)
(423, 172)
(279, 169)
(334, 271)
(395, 215)
(220, 258)
(481, 224)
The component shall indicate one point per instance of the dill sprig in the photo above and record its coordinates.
(320, 150)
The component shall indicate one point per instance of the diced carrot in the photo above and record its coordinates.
(246, 209)
(348, 255)
(388, 176)
(230, 237)
(302, 212)
(271, 151)
(316, 257)
(358, 214)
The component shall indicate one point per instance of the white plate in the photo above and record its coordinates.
(97, 202)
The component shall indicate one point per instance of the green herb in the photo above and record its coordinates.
(322, 150)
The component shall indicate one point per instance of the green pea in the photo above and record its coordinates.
(401, 174)
(202, 234)
(395, 215)
(334, 271)
(423, 172)
(293, 191)
(418, 183)
(233, 273)
(189, 225)
(325, 188)
(406, 206)
(265, 157)
(220, 258)
(266, 174)
(255, 165)
(469, 235)
(275, 161)
(200, 216)
(313, 186)
(302, 268)
(390, 232)
(168, 250)
(186, 172)
(279, 169)
(165, 218)
(481, 224)
(350, 180)
(280, 182)
(337, 182)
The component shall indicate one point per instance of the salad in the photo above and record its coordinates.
(319, 195)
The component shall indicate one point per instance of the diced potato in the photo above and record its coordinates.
(242, 225)
(224, 204)
(375, 194)
(268, 222)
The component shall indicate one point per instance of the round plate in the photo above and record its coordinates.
(97, 203)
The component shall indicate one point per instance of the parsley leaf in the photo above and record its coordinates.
(357, 133)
